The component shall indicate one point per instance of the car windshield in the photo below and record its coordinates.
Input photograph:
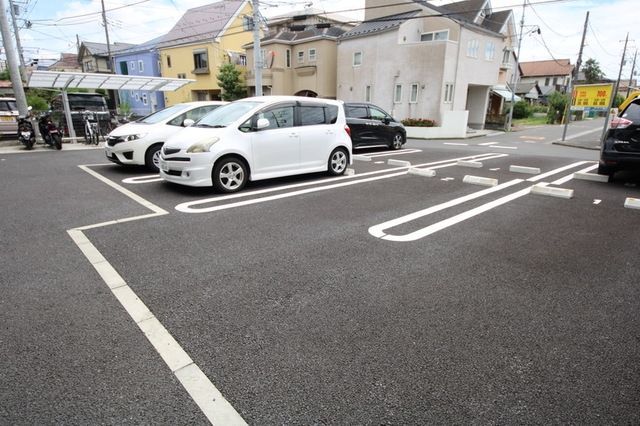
(163, 114)
(227, 114)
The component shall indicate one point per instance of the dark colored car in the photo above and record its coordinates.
(372, 126)
(79, 103)
(621, 147)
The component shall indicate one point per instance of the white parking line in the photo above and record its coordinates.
(556, 171)
(378, 230)
(208, 398)
(455, 143)
(488, 143)
(504, 147)
(142, 179)
(387, 154)
(188, 207)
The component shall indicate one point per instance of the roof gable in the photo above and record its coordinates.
(379, 25)
(203, 23)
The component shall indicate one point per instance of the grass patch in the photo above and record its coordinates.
(531, 121)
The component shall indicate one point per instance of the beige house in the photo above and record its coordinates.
(297, 63)
(94, 57)
(551, 76)
(417, 60)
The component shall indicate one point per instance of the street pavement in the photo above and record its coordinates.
(500, 307)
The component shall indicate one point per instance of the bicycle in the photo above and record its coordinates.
(91, 128)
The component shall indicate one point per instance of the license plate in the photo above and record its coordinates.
(5, 118)
(108, 152)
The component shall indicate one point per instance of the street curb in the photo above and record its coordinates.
(573, 145)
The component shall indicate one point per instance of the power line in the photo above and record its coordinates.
(93, 13)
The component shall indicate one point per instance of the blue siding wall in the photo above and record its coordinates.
(142, 102)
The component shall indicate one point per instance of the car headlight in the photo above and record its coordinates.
(129, 138)
(202, 146)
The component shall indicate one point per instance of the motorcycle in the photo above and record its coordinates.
(50, 132)
(26, 134)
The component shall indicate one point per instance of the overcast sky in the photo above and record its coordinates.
(56, 23)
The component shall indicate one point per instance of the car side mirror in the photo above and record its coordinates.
(386, 120)
(187, 122)
(262, 123)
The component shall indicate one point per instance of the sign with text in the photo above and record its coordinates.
(591, 96)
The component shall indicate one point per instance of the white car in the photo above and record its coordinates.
(139, 142)
(259, 138)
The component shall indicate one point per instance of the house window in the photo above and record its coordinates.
(137, 97)
(300, 57)
(144, 99)
(506, 56)
(397, 94)
(357, 59)
(489, 51)
(472, 48)
(448, 93)
(413, 95)
(123, 68)
(367, 94)
(546, 81)
(140, 66)
(242, 60)
(555, 81)
(200, 60)
(435, 36)
(181, 75)
(132, 65)
(88, 66)
(312, 55)
(288, 58)
(168, 61)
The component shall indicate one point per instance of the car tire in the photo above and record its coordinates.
(57, 141)
(397, 142)
(230, 175)
(152, 158)
(338, 161)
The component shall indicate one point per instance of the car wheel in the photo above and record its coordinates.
(229, 175)
(337, 162)
(152, 158)
(397, 141)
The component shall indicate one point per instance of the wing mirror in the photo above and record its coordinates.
(262, 123)
(187, 122)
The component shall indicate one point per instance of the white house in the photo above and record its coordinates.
(417, 60)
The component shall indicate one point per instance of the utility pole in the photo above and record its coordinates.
(12, 61)
(515, 76)
(633, 68)
(17, 33)
(106, 32)
(257, 52)
(615, 90)
(574, 77)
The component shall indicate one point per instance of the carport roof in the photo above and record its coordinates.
(79, 80)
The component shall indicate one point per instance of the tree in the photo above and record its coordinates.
(4, 75)
(592, 71)
(231, 83)
(557, 105)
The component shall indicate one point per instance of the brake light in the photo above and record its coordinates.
(347, 129)
(620, 123)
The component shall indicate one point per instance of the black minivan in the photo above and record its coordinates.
(372, 126)
(621, 146)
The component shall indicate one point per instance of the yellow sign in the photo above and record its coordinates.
(591, 96)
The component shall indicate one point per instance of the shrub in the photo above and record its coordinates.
(521, 109)
(557, 106)
(419, 122)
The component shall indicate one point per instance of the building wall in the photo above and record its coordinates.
(141, 102)
(182, 62)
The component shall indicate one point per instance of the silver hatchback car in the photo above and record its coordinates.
(8, 117)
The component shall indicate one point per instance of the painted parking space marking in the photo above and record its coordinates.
(504, 147)
(192, 206)
(378, 162)
(387, 154)
(203, 392)
(488, 143)
(378, 231)
(142, 179)
(535, 138)
(573, 176)
(455, 143)
(597, 201)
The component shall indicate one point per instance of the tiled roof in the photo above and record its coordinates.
(466, 10)
(203, 23)
(545, 68)
(147, 45)
(379, 25)
(100, 49)
(300, 36)
(67, 60)
(495, 21)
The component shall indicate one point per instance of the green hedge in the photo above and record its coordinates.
(419, 122)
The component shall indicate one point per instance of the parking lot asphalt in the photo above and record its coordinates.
(508, 310)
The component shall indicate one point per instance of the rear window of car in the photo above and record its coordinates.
(8, 106)
(632, 112)
(312, 115)
(356, 112)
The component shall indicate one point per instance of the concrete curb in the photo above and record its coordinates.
(575, 145)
